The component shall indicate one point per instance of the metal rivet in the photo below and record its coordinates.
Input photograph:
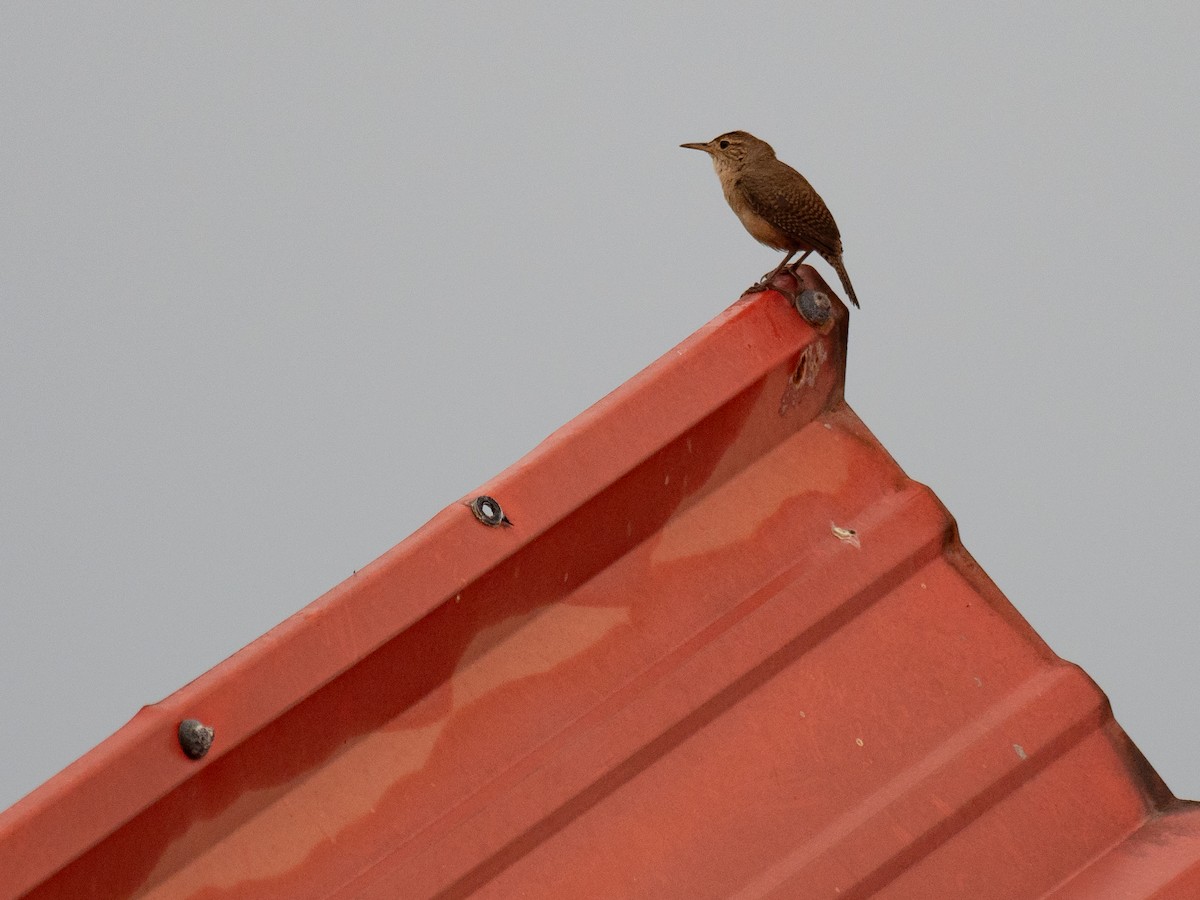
(195, 737)
(815, 306)
(488, 511)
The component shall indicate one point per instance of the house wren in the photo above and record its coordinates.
(776, 203)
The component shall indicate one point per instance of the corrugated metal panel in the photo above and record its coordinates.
(726, 648)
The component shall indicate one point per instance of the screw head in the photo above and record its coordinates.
(488, 511)
(195, 738)
(815, 306)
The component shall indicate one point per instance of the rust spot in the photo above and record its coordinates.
(845, 535)
(808, 368)
(809, 365)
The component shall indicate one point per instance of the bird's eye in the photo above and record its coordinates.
(723, 144)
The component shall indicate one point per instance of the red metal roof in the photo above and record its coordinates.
(724, 648)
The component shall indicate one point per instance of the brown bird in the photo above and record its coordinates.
(776, 203)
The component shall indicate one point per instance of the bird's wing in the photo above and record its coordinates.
(783, 197)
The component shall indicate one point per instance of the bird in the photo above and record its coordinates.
(775, 203)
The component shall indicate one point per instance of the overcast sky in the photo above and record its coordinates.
(278, 282)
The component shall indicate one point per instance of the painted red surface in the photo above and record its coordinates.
(727, 649)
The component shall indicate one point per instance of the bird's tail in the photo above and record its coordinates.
(836, 262)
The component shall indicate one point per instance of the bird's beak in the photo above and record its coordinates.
(705, 147)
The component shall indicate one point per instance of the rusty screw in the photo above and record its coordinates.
(195, 737)
(488, 511)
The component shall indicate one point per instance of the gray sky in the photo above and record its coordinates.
(277, 285)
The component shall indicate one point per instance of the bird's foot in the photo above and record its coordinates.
(785, 282)
(766, 283)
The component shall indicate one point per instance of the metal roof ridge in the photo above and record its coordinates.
(141, 762)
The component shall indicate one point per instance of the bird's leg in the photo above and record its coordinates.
(765, 282)
(798, 263)
(779, 268)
